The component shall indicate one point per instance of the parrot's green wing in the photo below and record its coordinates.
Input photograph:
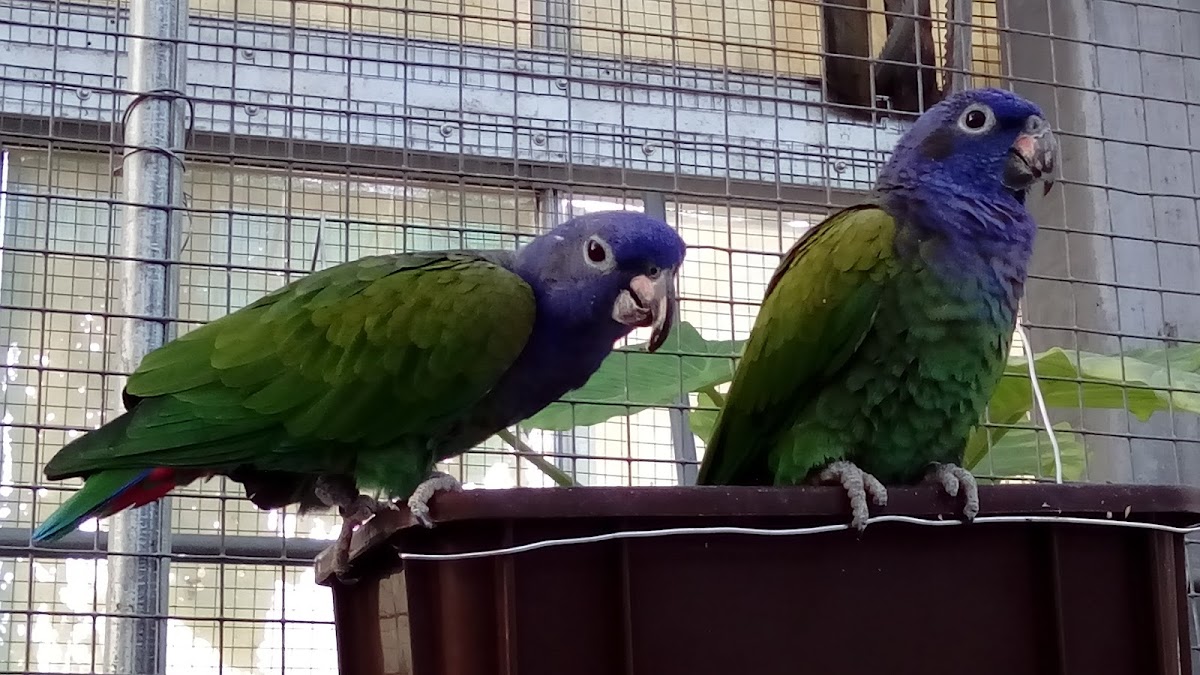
(818, 307)
(361, 354)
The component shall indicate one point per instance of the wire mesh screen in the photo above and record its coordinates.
(320, 132)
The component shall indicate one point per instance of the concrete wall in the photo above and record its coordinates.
(1118, 258)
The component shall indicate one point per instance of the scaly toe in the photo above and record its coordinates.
(876, 489)
(955, 479)
(420, 511)
(341, 552)
(364, 508)
(857, 484)
(971, 494)
(949, 481)
(860, 513)
(418, 502)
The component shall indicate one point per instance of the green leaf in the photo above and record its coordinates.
(1066, 386)
(1183, 357)
(1085, 379)
(979, 441)
(1098, 381)
(703, 418)
(631, 380)
(1028, 453)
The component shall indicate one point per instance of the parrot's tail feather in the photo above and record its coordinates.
(106, 493)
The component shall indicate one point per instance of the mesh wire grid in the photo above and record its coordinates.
(369, 128)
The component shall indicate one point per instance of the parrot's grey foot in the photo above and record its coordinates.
(358, 511)
(858, 485)
(418, 502)
(953, 478)
(337, 491)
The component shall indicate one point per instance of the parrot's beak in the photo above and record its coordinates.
(1032, 157)
(649, 301)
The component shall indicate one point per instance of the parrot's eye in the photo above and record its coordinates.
(977, 119)
(597, 253)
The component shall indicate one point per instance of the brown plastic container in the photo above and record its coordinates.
(985, 599)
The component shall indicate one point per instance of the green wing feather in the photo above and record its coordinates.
(379, 351)
(818, 307)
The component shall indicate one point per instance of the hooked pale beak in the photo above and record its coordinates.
(648, 302)
(1032, 157)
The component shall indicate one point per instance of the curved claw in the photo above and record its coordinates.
(954, 479)
(357, 512)
(949, 481)
(858, 485)
(418, 502)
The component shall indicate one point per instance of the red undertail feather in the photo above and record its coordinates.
(109, 492)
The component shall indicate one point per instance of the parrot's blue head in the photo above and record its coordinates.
(986, 143)
(613, 269)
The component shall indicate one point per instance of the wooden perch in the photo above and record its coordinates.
(905, 72)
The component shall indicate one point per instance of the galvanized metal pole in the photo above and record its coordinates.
(153, 187)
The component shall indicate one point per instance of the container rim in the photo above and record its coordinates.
(786, 506)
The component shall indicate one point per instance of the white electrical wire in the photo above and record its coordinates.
(788, 532)
(676, 531)
(1041, 402)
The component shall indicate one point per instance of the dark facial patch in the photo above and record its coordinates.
(939, 144)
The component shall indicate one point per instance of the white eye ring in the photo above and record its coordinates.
(598, 254)
(971, 116)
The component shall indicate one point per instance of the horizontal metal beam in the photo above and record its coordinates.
(387, 163)
(282, 86)
(215, 548)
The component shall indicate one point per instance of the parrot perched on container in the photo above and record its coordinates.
(886, 327)
(367, 373)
